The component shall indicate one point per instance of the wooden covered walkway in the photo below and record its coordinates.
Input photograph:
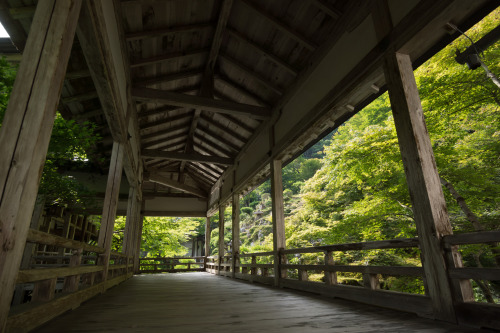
(200, 302)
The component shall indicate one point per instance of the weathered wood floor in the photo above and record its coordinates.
(200, 302)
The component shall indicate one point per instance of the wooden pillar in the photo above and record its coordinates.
(429, 206)
(236, 233)
(110, 204)
(129, 234)
(278, 216)
(26, 130)
(138, 240)
(207, 236)
(221, 235)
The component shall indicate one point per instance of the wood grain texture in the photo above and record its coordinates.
(26, 130)
(164, 303)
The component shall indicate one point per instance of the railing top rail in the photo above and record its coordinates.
(384, 244)
(473, 238)
(176, 258)
(40, 237)
(258, 254)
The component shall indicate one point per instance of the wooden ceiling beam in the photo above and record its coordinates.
(208, 79)
(157, 178)
(168, 31)
(168, 77)
(209, 132)
(202, 183)
(205, 170)
(238, 123)
(265, 53)
(155, 153)
(166, 131)
(164, 121)
(163, 109)
(328, 9)
(163, 140)
(240, 89)
(167, 141)
(212, 146)
(167, 57)
(198, 102)
(216, 168)
(284, 28)
(226, 129)
(250, 72)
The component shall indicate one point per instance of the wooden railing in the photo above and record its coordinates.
(172, 264)
(470, 312)
(61, 283)
(259, 267)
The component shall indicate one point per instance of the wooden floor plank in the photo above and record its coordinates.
(200, 302)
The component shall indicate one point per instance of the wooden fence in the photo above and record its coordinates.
(259, 267)
(61, 283)
(172, 265)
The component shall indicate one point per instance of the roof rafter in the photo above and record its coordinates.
(207, 83)
(198, 102)
(228, 130)
(165, 141)
(168, 77)
(194, 157)
(164, 132)
(167, 57)
(209, 132)
(250, 72)
(267, 54)
(167, 31)
(157, 178)
(285, 28)
(240, 89)
(166, 120)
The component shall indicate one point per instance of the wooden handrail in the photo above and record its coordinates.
(32, 275)
(472, 238)
(40, 237)
(374, 245)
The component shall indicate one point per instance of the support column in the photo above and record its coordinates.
(278, 215)
(129, 234)
(221, 236)
(110, 204)
(207, 236)
(26, 131)
(139, 240)
(236, 233)
(429, 206)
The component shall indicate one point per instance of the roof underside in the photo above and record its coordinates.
(207, 74)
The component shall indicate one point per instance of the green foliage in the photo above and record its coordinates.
(69, 144)
(164, 236)
(7, 77)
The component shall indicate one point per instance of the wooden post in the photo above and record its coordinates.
(330, 277)
(71, 282)
(278, 216)
(207, 236)
(371, 281)
(110, 205)
(221, 236)
(26, 130)
(429, 206)
(138, 241)
(129, 235)
(236, 233)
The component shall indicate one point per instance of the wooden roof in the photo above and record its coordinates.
(208, 76)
